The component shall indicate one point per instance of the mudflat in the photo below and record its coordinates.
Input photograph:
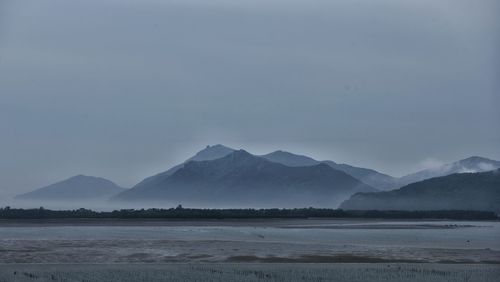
(265, 241)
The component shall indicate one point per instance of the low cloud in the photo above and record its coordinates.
(431, 163)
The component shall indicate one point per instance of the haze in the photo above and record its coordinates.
(125, 89)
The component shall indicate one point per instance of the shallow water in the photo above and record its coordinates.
(433, 241)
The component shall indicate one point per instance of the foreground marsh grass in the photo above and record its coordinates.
(250, 272)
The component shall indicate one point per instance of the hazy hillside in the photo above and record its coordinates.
(463, 191)
(472, 164)
(244, 179)
(76, 188)
(383, 181)
(209, 153)
(369, 176)
(286, 178)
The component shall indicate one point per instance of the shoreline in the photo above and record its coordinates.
(309, 223)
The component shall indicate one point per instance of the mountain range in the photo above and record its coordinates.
(242, 179)
(369, 176)
(221, 175)
(459, 191)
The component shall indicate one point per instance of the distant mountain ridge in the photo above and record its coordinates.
(460, 191)
(242, 178)
(468, 165)
(369, 176)
(278, 177)
(386, 182)
(77, 188)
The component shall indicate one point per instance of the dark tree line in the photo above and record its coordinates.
(187, 213)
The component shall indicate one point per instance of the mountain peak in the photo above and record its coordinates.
(476, 164)
(217, 147)
(476, 159)
(212, 152)
(85, 179)
(81, 176)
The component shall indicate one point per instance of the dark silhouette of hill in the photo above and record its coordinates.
(460, 191)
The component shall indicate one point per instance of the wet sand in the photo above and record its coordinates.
(265, 241)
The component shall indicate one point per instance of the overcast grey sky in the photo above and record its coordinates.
(124, 89)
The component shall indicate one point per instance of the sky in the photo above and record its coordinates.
(125, 89)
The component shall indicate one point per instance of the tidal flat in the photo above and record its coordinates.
(249, 250)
